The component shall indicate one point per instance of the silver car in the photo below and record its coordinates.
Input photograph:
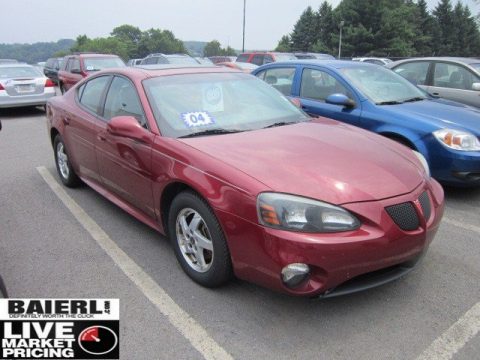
(24, 85)
(451, 78)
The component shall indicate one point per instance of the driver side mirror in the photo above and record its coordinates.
(476, 86)
(128, 127)
(340, 99)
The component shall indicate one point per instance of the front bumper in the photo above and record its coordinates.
(260, 253)
(452, 167)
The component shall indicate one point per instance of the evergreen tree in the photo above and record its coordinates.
(443, 14)
(427, 31)
(284, 45)
(326, 28)
(304, 33)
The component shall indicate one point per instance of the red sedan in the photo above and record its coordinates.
(243, 182)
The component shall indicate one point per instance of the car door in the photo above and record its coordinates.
(316, 85)
(80, 122)
(125, 164)
(455, 82)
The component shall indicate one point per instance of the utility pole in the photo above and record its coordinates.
(243, 42)
(340, 40)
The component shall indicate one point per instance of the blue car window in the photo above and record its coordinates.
(318, 85)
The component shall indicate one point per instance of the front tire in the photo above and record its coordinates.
(198, 240)
(64, 168)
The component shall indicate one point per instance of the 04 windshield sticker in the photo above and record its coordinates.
(197, 119)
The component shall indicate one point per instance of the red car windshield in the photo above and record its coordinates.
(187, 104)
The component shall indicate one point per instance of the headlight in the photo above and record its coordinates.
(458, 140)
(423, 161)
(289, 212)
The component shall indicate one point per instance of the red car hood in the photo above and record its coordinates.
(324, 160)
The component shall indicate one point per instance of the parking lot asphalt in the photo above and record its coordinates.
(46, 252)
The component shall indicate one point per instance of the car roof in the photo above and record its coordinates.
(463, 60)
(92, 55)
(333, 64)
(148, 71)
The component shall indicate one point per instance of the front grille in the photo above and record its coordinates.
(425, 203)
(404, 215)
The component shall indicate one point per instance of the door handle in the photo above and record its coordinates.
(66, 120)
(436, 94)
(101, 137)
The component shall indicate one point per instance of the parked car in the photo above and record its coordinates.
(52, 66)
(219, 59)
(134, 62)
(260, 58)
(307, 55)
(24, 85)
(78, 66)
(8, 61)
(245, 183)
(373, 60)
(374, 98)
(245, 67)
(456, 79)
(179, 59)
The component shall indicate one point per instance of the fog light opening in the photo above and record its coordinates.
(295, 274)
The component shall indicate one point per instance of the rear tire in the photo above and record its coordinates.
(64, 168)
(198, 240)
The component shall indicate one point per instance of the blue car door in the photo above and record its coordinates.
(316, 85)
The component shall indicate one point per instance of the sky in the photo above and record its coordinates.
(28, 21)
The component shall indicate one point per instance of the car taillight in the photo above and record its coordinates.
(49, 83)
(1, 87)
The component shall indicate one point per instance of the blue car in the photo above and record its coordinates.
(446, 133)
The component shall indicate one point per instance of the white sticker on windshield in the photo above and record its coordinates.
(197, 118)
(213, 97)
(90, 68)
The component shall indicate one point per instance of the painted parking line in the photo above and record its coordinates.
(460, 224)
(455, 338)
(181, 320)
(465, 329)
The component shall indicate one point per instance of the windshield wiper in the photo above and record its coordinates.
(418, 98)
(393, 102)
(281, 123)
(211, 132)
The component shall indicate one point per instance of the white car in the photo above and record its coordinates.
(24, 85)
(373, 60)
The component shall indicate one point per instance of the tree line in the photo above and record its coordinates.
(386, 28)
(33, 53)
(129, 42)
(126, 41)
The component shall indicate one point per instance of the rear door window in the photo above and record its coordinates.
(453, 76)
(75, 65)
(91, 93)
(257, 60)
